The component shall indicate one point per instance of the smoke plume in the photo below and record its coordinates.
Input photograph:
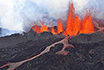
(19, 15)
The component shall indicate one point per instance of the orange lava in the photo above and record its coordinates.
(87, 25)
(43, 28)
(74, 25)
(60, 26)
(53, 30)
(36, 28)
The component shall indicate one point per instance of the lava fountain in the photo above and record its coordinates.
(74, 25)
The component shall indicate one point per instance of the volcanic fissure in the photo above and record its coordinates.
(74, 26)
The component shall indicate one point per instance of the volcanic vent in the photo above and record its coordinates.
(77, 46)
(74, 26)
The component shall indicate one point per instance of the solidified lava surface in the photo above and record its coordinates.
(88, 53)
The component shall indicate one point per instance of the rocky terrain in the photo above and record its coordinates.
(88, 53)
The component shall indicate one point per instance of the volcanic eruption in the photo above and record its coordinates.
(76, 41)
(74, 26)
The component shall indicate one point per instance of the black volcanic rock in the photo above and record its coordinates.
(30, 35)
(88, 38)
(18, 47)
(88, 53)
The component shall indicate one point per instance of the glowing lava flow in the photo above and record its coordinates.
(64, 41)
(74, 25)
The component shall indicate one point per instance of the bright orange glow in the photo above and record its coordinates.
(87, 25)
(43, 28)
(36, 28)
(60, 26)
(74, 25)
(70, 21)
(53, 30)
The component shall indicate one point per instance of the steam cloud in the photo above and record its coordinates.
(19, 15)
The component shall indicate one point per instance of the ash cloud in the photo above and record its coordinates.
(19, 15)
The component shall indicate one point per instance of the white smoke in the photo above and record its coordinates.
(19, 15)
(9, 16)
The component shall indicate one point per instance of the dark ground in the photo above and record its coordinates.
(88, 53)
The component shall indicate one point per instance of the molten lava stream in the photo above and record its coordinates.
(74, 26)
(12, 66)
